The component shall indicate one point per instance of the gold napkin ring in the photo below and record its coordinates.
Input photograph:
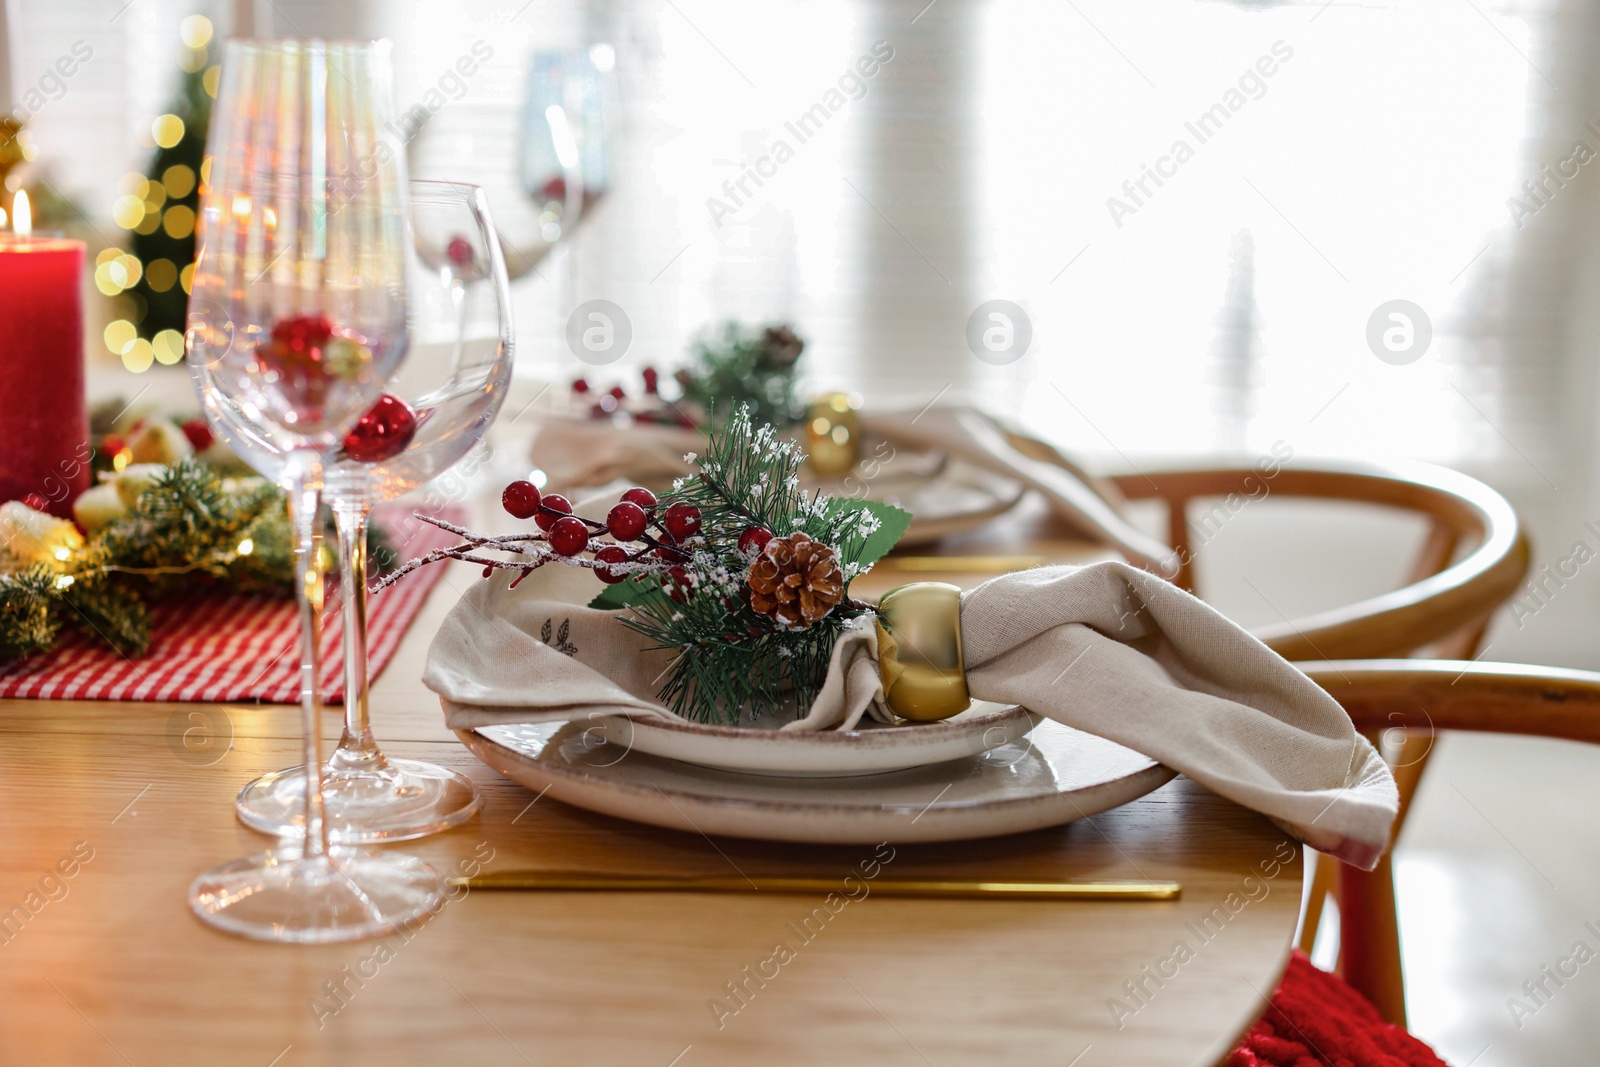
(919, 651)
(833, 434)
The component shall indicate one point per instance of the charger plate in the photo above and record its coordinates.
(1056, 775)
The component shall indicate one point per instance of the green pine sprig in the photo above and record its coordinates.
(732, 660)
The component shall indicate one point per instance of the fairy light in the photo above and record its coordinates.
(64, 581)
(246, 547)
(63, 554)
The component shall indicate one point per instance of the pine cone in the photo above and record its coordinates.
(795, 581)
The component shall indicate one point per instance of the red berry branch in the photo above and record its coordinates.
(576, 541)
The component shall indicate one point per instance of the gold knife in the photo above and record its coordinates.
(572, 881)
(960, 564)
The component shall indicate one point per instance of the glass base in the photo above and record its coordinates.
(404, 800)
(348, 895)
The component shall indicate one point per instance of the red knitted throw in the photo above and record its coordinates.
(1316, 1020)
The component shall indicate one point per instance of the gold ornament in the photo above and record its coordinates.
(28, 537)
(833, 434)
(919, 651)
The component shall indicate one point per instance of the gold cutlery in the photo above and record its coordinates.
(574, 881)
(960, 564)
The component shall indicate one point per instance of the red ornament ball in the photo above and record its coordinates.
(520, 499)
(682, 521)
(641, 496)
(196, 430)
(568, 536)
(753, 540)
(652, 380)
(580, 386)
(460, 252)
(383, 432)
(610, 554)
(110, 446)
(551, 508)
(303, 335)
(626, 521)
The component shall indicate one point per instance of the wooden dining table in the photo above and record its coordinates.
(108, 810)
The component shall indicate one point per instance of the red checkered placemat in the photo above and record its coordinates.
(229, 647)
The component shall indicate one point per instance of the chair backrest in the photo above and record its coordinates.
(1421, 697)
(1448, 599)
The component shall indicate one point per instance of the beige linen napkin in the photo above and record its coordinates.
(579, 453)
(1107, 648)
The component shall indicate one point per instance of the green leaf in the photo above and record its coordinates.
(893, 523)
(623, 595)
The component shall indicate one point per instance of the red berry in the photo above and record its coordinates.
(111, 445)
(551, 508)
(610, 554)
(675, 583)
(652, 380)
(554, 189)
(580, 386)
(682, 521)
(644, 498)
(568, 536)
(521, 499)
(668, 551)
(618, 392)
(383, 432)
(626, 521)
(753, 540)
(196, 430)
(460, 251)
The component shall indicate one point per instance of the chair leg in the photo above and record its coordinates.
(1369, 941)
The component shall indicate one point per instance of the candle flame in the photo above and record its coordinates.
(21, 215)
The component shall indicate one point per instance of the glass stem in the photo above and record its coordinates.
(358, 751)
(303, 481)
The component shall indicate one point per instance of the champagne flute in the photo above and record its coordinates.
(435, 411)
(298, 317)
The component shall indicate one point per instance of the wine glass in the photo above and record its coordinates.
(438, 407)
(298, 317)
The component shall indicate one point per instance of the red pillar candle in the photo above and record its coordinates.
(44, 424)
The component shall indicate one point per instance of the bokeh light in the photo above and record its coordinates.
(168, 347)
(167, 130)
(161, 275)
(195, 31)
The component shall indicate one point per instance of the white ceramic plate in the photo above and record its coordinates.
(871, 749)
(1054, 776)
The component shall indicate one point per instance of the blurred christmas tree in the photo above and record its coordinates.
(161, 207)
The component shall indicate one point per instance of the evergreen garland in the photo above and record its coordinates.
(189, 526)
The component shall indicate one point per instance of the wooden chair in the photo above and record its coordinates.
(1421, 697)
(1475, 556)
